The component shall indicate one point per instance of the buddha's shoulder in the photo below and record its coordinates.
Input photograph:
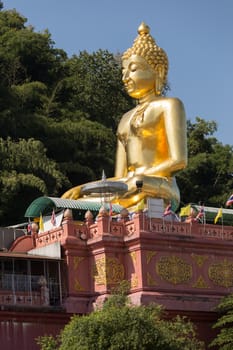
(167, 102)
(127, 115)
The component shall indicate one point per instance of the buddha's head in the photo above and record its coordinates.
(150, 58)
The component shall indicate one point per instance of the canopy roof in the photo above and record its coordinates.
(45, 205)
(211, 212)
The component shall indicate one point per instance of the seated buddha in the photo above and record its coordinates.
(151, 138)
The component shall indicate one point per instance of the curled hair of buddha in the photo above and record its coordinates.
(145, 46)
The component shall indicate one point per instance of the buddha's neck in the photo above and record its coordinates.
(150, 96)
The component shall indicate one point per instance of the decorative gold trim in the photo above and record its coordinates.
(133, 257)
(108, 270)
(200, 283)
(199, 259)
(150, 255)
(221, 273)
(77, 260)
(77, 286)
(150, 280)
(134, 280)
(100, 271)
(174, 270)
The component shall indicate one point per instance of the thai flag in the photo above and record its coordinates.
(200, 214)
(53, 218)
(168, 210)
(229, 201)
(29, 228)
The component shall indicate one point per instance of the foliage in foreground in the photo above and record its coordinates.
(120, 325)
(224, 339)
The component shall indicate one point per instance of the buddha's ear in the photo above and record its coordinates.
(159, 78)
(159, 70)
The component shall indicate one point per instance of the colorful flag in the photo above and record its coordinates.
(185, 211)
(53, 218)
(110, 209)
(29, 228)
(229, 201)
(168, 210)
(41, 223)
(218, 216)
(140, 206)
(201, 213)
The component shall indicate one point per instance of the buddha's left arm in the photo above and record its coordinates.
(175, 130)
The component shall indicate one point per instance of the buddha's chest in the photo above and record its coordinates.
(144, 123)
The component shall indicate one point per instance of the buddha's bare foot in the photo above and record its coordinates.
(73, 193)
(130, 201)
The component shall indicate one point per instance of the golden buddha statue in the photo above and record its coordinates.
(151, 138)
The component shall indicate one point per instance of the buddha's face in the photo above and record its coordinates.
(137, 76)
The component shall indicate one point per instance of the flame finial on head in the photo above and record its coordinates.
(143, 29)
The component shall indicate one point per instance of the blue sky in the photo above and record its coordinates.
(196, 34)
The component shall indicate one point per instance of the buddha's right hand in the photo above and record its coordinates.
(132, 185)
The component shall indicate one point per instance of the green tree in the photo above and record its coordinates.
(26, 55)
(30, 70)
(207, 176)
(48, 97)
(97, 89)
(120, 325)
(48, 342)
(224, 339)
(82, 149)
(71, 105)
(25, 173)
(83, 112)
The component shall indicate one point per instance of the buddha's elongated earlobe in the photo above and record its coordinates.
(158, 86)
(159, 70)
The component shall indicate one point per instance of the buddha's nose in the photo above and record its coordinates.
(125, 77)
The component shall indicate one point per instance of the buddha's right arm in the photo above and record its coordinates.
(121, 165)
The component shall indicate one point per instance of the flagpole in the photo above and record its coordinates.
(171, 221)
(204, 218)
(143, 220)
(222, 225)
(190, 227)
(163, 224)
(149, 212)
(109, 217)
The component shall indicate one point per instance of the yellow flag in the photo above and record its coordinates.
(41, 223)
(185, 211)
(218, 216)
(140, 205)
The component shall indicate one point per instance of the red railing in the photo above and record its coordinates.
(128, 227)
